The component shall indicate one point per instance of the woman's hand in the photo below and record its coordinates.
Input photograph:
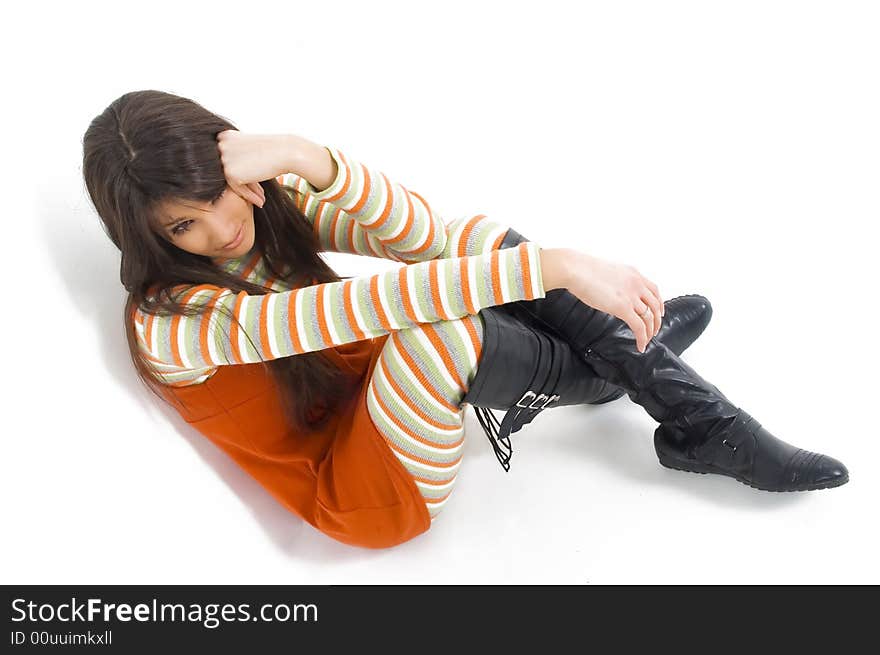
(248, 159)
(616, 289)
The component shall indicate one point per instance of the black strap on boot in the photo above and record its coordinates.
(526, 409)
(523, 371)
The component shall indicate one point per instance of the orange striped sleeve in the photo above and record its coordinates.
(335, 313)
(392, 219)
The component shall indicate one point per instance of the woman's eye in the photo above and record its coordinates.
(180, 228)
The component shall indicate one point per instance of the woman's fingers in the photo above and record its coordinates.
(637, 324)
(656, 292)
(646, 316)
(248, 192)
(656, 314)
(257, 190)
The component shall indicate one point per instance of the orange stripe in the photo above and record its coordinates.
(333, 222)
(431, 481)
(264, 327)
(422, 378)
(370, 246)
(526, 271)
(431, 229)
(404, 295)
(383, 218)
(175, 325)
(497, 244)
(351, 247)
(436, 483)
(422, 460)
(252, 264)
(291, 322)
(148, 330)
(433, 279)
(365, 193)
(438, 501)
(322, 317)
(475, 339)
(316, 223)
(466, 286)
(405, 398)
(466, 233)
(374, 296)
(496, 278)
(441, 349)
(404, 428)
(203, 328)
(346, 170)
(410, 217)
(151, 357)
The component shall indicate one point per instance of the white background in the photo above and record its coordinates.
(728, 149)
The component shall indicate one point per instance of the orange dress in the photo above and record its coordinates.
(343, 478)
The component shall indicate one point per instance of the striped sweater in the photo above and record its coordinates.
(451, 270)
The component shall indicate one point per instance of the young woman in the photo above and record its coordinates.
(344, 397)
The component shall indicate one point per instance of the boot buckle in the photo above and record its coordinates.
(531, 400)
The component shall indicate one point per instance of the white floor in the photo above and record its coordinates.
(731, 153)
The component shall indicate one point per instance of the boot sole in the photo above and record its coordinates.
(697, 467)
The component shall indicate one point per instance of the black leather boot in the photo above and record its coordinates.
(524, 370)
(700, 429)
(561, 312)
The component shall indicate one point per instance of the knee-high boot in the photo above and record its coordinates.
(700, 429)
(524, 370)
(562, 313)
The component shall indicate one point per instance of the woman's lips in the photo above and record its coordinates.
(237, 240)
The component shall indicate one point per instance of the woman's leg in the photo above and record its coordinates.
(414, 399)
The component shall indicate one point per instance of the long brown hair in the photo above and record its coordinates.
(150, 146)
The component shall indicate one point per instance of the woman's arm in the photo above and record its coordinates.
(186, 349)
(357, 209)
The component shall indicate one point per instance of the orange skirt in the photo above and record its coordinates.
(343, 478)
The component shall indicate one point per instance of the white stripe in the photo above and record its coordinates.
(242, 339)
(274, 350)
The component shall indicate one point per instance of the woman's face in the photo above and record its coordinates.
(221, 229)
